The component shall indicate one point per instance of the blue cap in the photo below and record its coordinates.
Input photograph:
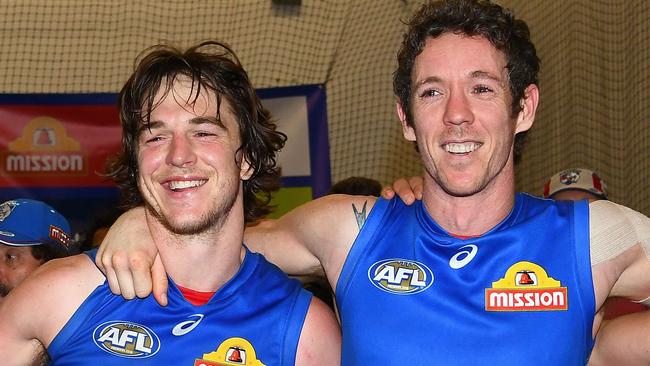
(25, 222)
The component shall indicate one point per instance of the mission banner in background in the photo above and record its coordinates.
(54, 147)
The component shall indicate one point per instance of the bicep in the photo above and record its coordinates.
(312, 237)
(320, 338)
(623, 341)
(18, 340)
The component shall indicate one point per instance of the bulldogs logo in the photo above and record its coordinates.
(6, 208)
(570, 176)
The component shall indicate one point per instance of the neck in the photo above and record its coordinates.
(471, 215)
(203, 261)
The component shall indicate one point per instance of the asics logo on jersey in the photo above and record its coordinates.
(187, 326)
(463, 257)
(400, 276)
(126, 339)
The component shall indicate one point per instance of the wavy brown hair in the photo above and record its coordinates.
(214, 67)
(472, 18)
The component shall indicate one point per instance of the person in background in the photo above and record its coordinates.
(360, 186)
(31, 233)
(575, 184)
(98, 228)
(584, 184)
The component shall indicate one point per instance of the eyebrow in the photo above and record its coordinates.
(427, 80)
(152, 125)
(206, 120)
(478, 74)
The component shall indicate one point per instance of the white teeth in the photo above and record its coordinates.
(461, 148)
(182, 184)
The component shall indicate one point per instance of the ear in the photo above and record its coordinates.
(528, 108)
(245, 169)
(409, 131)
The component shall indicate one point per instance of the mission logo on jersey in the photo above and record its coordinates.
(232, 351)
(400, 276)
(526, 287)
(126, 339)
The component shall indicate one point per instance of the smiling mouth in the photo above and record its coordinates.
(461, 148)
(179, 185)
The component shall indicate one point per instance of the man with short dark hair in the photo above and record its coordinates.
(31, 233)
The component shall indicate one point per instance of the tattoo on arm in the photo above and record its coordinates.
(360, 216)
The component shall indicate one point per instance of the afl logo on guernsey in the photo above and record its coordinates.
(400, 276)
(126, 339)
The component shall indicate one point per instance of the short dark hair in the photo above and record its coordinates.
(472, 18)
(211, 66)
(44, 253)
(357, 186)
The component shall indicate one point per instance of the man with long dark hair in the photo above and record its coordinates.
(199, 155)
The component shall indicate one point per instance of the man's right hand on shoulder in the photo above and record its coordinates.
(129, 259)
(408, 190)
(301, 242)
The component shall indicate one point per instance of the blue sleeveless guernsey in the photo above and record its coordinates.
(254, 319)
(522, 294)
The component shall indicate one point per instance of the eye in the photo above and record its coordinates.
(429, 93)
(481, 89)
(10, 257)
(153, 139)
(204, 134)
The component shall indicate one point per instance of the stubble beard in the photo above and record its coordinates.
(211, 220)
(467, 192)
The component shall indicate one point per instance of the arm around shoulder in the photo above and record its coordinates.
(313, 236)
(320, 338)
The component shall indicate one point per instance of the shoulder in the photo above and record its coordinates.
(609, 220)
(55, 276)
(320, 338)
(62, 284)
(603, 211)
(620, 247)
(64, 274)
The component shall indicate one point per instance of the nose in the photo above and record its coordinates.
(457, 110)
(181, 152)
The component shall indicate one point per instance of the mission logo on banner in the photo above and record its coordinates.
(526, 287)
(51, 145)
(45, 147)
(64, 140)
